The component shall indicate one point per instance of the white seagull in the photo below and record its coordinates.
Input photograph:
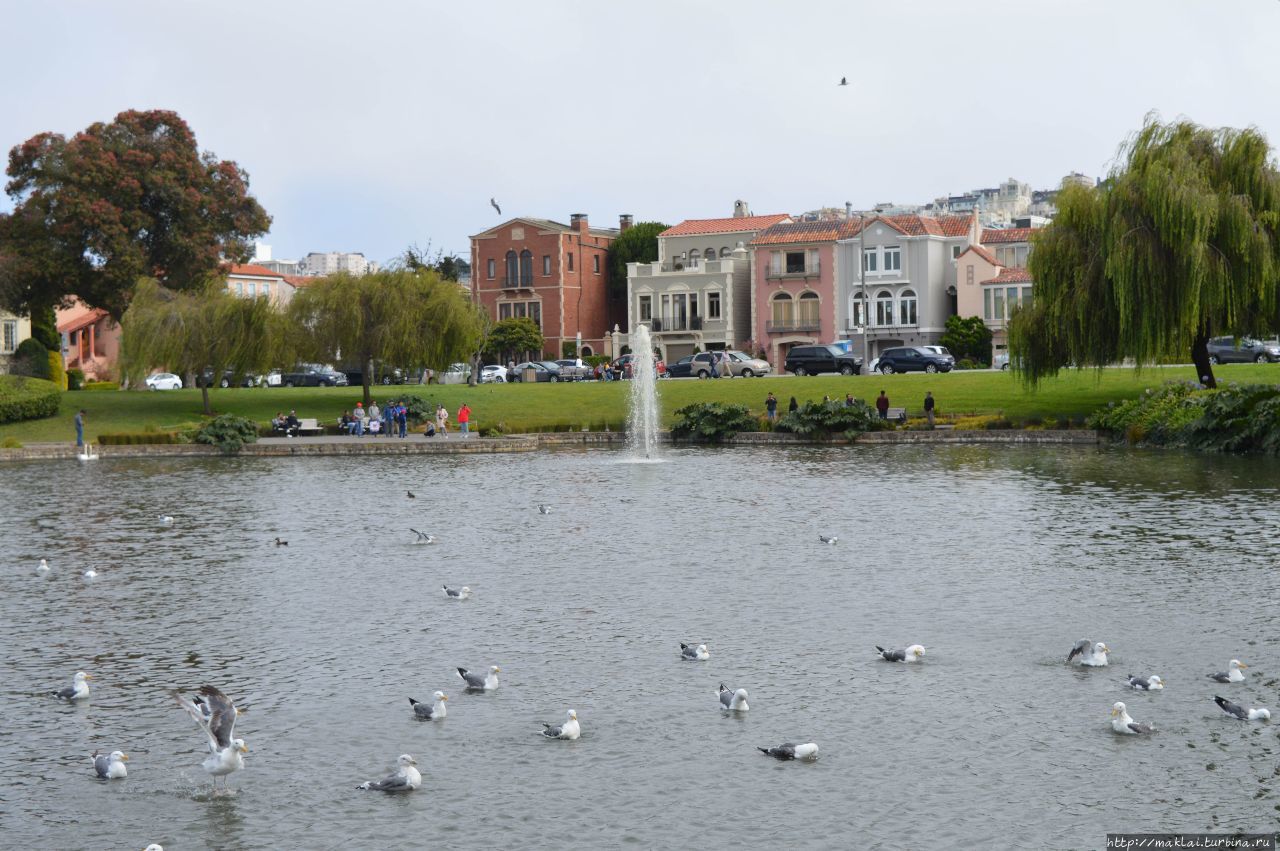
(457, 593)
(430, 713)
(734, 701)
(1122, 723)
(828, 539)
(216, 715)
(790, 750)
(406, 778)
(694, 654)
(166, 520)
(111, 767)
(1092, 655)
(1152, 683)
(154, 847)
(78, 690)
(1258, 713)
(913, 653)
(568, 730)
(481, 682)
(1232, 674)
(91, 574)
(423, 537)
(544, 509)
(43, 567)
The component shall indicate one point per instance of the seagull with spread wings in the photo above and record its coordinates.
(216, 715)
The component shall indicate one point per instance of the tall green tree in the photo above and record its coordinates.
(636, 244)
(409, 318)
(120, 201)
(190, 331)
(967, 337)
(509, 338)
(448, 266)
(1179, 244)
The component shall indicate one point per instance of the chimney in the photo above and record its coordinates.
(625, 221)
(579, 222)
(848, 209)
(741, 209)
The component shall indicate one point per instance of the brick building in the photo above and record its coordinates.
(553, 273)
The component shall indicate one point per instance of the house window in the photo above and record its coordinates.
(724, 252)
(535, 312)
(9, 337)
(253, 289)
(869, 260)
(855, 312)
(997, 303)
(694, 256)
(775, 263)
(493, 268)
(1026, 297)
(795, 262)
(955, 252)
(713, 305)
(710, 254)
(526, 267)
(1011, 300)
(504, 310)
(646, 308)
(546, 264)
(513, 268)
(595, 264)
(907, 308)
(518, 309)
(884, 308)
(239, 287)
(782, 309)
(892, 259)
(570, 261)
(986, 303)
(968, 274)
(808, 309)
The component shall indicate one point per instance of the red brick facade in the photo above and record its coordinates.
(552, 272)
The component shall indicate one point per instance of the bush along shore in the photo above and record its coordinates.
(1241, 418)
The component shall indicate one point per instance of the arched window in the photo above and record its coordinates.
(907, 308)
(587, 351)
(526, 268)
(710, 254)
(725, 252)
(782, 314)
(694, 256)
(856, 313)
(513, 269)
(884, 308)
(807, 309)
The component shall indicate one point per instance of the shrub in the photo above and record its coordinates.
(1236, 418)
(831, 418)
(57, 370)
(23, 398)
(31, 359)
(228, 432)
(970, 363)
(998, 424)
(75, 378)
(137, 438)
(712, 421)
(10, 443)
(102, 385)
(417, 409)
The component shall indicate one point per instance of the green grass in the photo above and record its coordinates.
(593, 404)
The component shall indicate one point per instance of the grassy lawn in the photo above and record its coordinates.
(594, 404)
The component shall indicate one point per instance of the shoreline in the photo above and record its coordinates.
(310, 447)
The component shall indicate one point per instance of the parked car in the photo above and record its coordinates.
(913, 359)
(164, 381)
(573, 369)
(811, 360)
(457, 373)
(682, 368)
(274, 378)
(228, 378)
(942, 350)
(745, 366)
(313, 375)
(1000, 361)
(493, 374)
(544, 370)
(1245, 350)
(382, 374)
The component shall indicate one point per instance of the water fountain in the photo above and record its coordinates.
(642, 419)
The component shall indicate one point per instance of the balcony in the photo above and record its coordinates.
(520, 282)
(674, 324)
(779, 326)
(810, 271)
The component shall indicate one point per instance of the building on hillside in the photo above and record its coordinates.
(697, 294)
(1011, 246)
(992, 288)
(333, 262)
(13, 330)
(90, 340)
(908, 275)
(254, 281)
(552, 273)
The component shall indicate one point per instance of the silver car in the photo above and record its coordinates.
(745, 366)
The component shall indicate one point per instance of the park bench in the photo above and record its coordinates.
(309, 426)
(898, 415)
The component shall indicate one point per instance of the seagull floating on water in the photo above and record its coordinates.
(154, 847)
(1122, 723)
(694, 654)
(280, 543)
(43, 567)
(828, 539)
(457, 593)
(1259, 713)
(481, 682)
(734, 701)
(1092, 655)
(544, 509)
(423, 537)
(216, 715)
(913, 653)
(430, 713)
(78, 690)
(406, 778)
(166, 520)
(91, 574)
(1232, 674)
(111, 767)
(568, 730)
(1151, 683)
(790, 750)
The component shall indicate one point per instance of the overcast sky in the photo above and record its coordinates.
(369, 126)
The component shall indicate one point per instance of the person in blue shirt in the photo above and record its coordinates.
(80, 427)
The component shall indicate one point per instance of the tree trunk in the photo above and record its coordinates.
(367, 372)
(204, 395)
(1200, 357)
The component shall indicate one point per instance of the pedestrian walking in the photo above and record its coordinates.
(771, 406)
(928, 407)
(794, 406)
(80, 427)
(715, 371)
(464, 420)
(882, 405)
(442, 421)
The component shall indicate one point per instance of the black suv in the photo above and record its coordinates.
(1225, 350)
(313, 375)
(913, 359)
(811, 360)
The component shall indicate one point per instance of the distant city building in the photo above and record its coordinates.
(333, 262)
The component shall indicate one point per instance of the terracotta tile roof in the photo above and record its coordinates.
(1012, 275)
(917, 225)
(300, 281)
(990, 236)
(798, 232)
(250, 269)
(693, 227)
(83, 321)
(981, 252)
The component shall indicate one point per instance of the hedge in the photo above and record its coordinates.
(23, 398)
(134, 438)
(101, 385)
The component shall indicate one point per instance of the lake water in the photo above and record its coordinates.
(995, 558)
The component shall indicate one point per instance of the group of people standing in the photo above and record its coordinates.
(393, 420)
(882, 405)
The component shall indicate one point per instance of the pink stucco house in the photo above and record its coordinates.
(90, 340)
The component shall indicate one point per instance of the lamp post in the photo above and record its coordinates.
(866, 308)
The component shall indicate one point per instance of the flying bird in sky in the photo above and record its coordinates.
(844, 81)
(494, 204)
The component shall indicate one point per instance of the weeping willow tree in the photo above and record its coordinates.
(190, 331)
(407, 317)
(1181, 243)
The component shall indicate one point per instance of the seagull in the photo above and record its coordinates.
(734, 701)
(1235, 709)
(1151, 683)
(1122, 723)
(914, 653)
(216, 715)
(1232, 675)
(43, 567)
(457, 593)
(410, 495)
(154, 847)
(1093, 655)
(406, 778)
(166, 520)
(694, 654)
(828, 539)
(78, 690)
(844, 81)
(568, 730)
(494, 205)
(544, 509)
(790, 750)
(91, 574)
(430, 713)
(280, 543)
(481, 682)
(111, 767)
(423, 537)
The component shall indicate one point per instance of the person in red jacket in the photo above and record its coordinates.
(464, 419)
(882, 405)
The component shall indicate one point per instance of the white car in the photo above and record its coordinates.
(493, 374)
(274, 378)
(164, 381)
